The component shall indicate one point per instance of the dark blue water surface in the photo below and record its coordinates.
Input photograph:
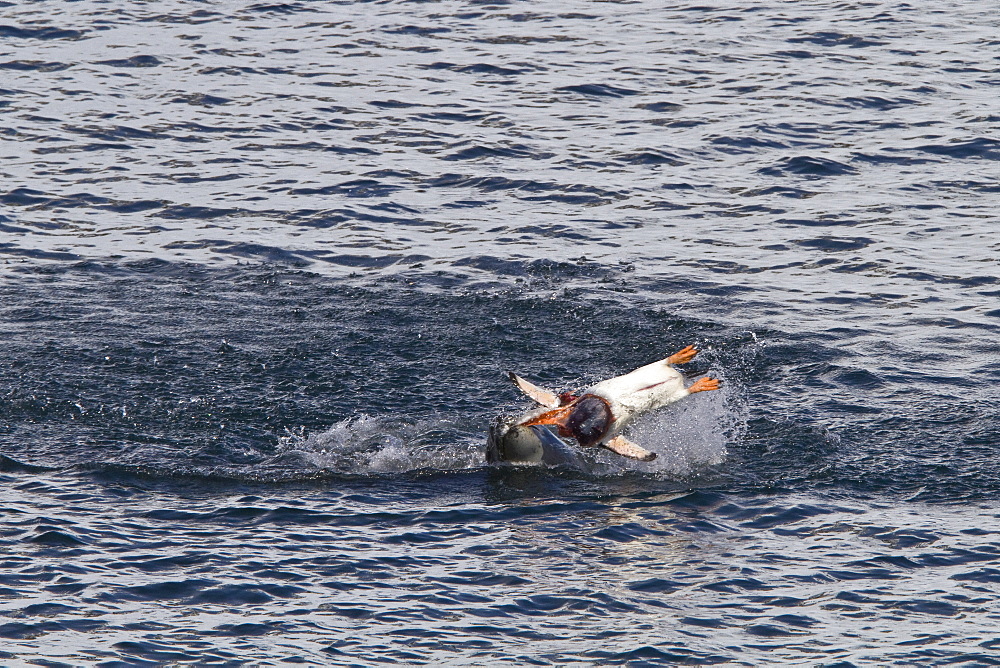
(264, 267)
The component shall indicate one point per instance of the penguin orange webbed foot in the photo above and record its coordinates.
(683, 356)
(704, 385)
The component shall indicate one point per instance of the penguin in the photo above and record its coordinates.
(594, 418)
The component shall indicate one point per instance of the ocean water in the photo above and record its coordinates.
(264, 267)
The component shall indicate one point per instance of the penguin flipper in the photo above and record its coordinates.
(537, 394)
(626, 448)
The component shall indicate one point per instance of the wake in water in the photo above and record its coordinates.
(366, 444)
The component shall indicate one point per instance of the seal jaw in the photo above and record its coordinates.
(512, 442)
(587, 419)
(522, 445)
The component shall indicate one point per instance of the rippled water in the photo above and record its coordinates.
(265, 266)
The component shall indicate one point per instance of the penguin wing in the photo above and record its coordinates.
(540, 396)
(626, 448)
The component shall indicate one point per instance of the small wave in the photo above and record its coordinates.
(44, 32)
(9, 465)
(652, 157)
(660, 106)
(134, 61)
(877, 102)
(979, 147)
(833, 39)
(353, 188)
(35, 66)
(477, 68)
(833, 245)
(484, 151)
(808, 166)
(278, 8)
(201, 100)
(599, 90)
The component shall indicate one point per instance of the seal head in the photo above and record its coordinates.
(521, 444)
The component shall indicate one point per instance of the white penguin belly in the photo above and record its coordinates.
(645, 389)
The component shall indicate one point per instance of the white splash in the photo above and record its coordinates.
(687, 437)
(366, 444)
